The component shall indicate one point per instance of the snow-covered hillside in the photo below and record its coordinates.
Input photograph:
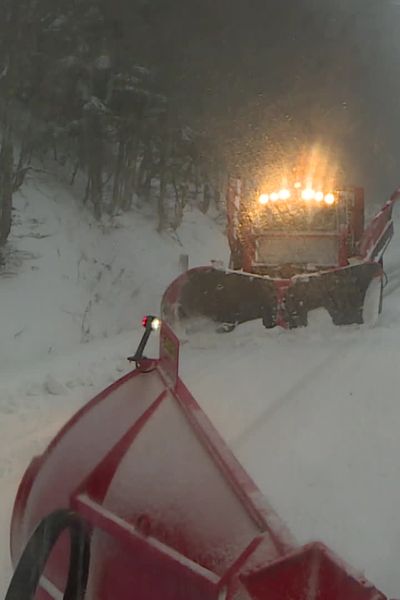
(312, 414)
(76, 283)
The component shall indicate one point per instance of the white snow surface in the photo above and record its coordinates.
(313, 415)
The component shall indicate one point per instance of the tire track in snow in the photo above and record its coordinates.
(294, 392)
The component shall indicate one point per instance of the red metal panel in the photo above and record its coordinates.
(379, 232)
(358, 214)
(43, 595)
(313, 573)
(169, 355)
(127, 560)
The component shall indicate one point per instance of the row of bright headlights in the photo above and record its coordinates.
(307, 195)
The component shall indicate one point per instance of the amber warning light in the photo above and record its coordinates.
(307, 194)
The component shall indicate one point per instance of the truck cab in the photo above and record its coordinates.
(294, 230)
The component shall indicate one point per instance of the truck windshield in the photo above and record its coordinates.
(297, 218)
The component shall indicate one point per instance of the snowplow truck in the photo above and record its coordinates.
(293, 251)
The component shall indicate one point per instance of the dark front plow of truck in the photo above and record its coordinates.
(233, 297)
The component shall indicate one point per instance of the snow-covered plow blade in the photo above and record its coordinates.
(235, 297)
(346, 294)
(139, 497)
(221, 296)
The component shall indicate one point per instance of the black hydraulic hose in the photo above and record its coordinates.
(32, 563)
(385, 282)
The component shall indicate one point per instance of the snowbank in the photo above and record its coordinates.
(69, 282)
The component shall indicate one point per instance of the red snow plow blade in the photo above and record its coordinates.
(139, 497)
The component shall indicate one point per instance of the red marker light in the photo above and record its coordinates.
(149, 321)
